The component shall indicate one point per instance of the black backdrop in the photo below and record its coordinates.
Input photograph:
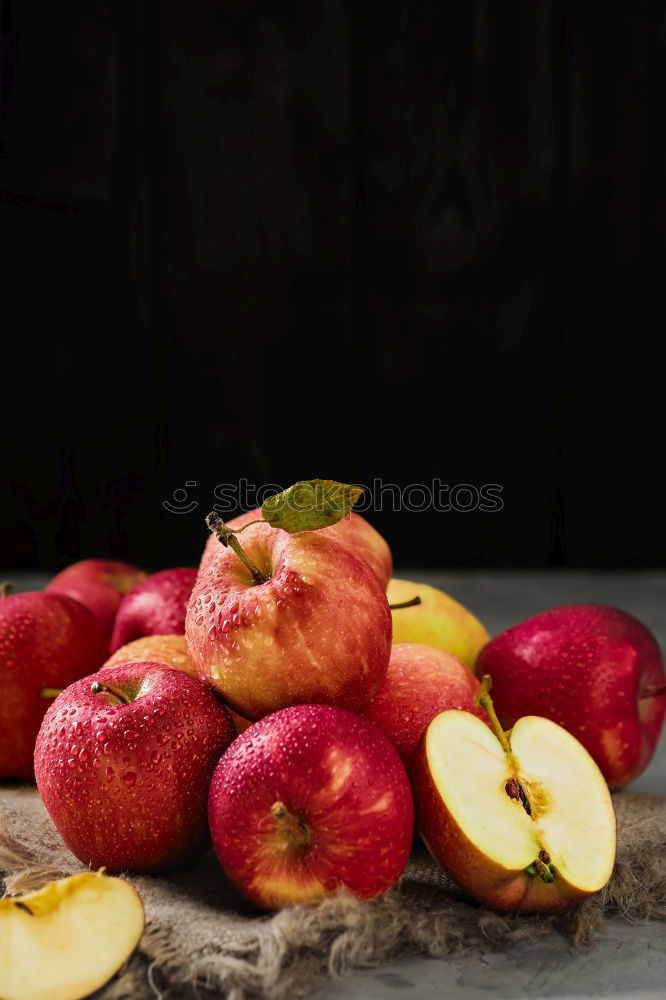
(396, 240)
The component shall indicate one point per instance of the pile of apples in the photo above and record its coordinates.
(298, 706)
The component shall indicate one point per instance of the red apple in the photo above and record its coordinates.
(421, 682)
(312, 624)
(99, 585)
(156, 606)
(46, 641)
(169, 650)
(123, 763)
(595, 670)
(309, 799)
(522, 821)
(352, 531)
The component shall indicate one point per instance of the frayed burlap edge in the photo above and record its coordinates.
(289, 954)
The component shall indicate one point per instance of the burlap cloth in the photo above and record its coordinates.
(202, 940)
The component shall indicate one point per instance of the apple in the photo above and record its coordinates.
(437, 620)
(595, 670)
(123, 762)
(352, 531)
(310, 799)
(302, 619)
(99, 585)
(522, 821)
(46, 642)
(156, 606)
(67, 939)
(421, 682)
(169, 650)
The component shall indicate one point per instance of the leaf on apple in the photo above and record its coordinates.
(310, 505)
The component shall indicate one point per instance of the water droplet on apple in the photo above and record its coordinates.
(156, 756)
(129, 778)
(110, 774)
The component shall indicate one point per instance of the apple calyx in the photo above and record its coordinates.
(6, 589)
(406, 604)
(295, 828)
(227, 536)
(97, 687)
(542, 867)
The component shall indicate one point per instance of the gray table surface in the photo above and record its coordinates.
(629, 962)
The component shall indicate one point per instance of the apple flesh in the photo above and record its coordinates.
(310, 799)
(67, 939)
(421, 682)
(352, 531)
(317, 628)
(156, 606)
(437, 620)
(532, 829)
(98, 584)
(46, 641)
(123, 762)
(595, 670)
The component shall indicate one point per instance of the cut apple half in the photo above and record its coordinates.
(66, 940)
(523, 822)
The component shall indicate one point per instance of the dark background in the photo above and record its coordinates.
(343, 239)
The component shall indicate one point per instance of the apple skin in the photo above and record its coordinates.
(46, 641)
(480, 876)
(584, 666)
(421, 682)
(99, 585)
(156, 606)
(319, 630)
(353, 531)
(169, 650)
(127, 784)
(335, 773)
(437, 621)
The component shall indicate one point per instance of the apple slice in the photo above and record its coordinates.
(522, 821)
(66, 940)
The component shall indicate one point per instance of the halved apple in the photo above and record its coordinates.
(67, 939)
(523, 821)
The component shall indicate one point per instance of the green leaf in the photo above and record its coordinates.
(310, 505)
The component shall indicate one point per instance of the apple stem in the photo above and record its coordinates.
(653, 692)
(406, 604)
(257, 520)
(486, 703)
(50, 692)
(296, 828)
(228, 538)
(6, 589)
(98, 688)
